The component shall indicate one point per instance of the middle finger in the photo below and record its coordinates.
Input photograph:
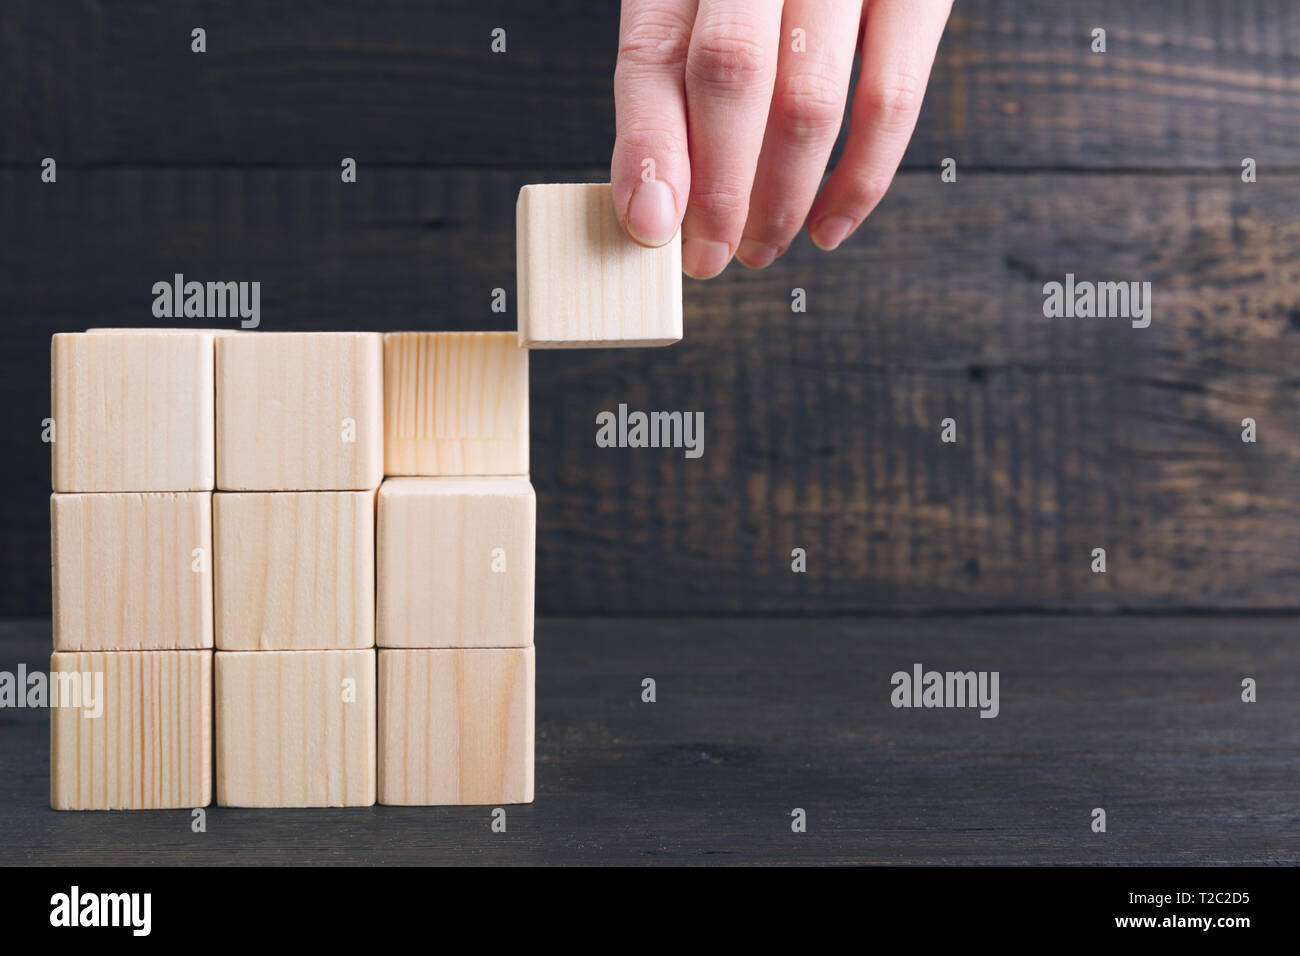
(730, 69)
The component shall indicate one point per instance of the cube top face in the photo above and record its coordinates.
(295, 728)
(132, 571)
(161, 331)
(299, 411)
(149, 747)
(456, 726)
(295, 570)
(582, 282)
(493, 486)
(455, 403)
(456, 562)
(133, 410)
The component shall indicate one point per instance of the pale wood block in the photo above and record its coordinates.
(455, 403)
(295, 570)
(159, 330)
(132, 410)
(456, 562)
(582, 282)
(132, 571)
(456, 726)
(299, 411)
(149, 748)
(295, 728)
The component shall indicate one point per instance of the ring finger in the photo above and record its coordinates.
(818, 41)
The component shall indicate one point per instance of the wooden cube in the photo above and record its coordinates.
(456, 726)
(582, 282)
(299, 411)
(295, 570)
(132, 410)
(149, 747)
(131, 570)
(455, 403)
(295, 728)
(456, 561)
(159, 330)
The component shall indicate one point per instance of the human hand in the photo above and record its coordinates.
(725, 125)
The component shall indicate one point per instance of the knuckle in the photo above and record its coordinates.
(895, 98)
(776, 227)
(867, 191)
(722, 201)
(654, 39)
(787, 222)
(809, 105)
(646, 139)
(723, 58)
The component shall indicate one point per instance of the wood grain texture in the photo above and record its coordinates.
(456, 726)
(284, 401)
(1140, 715)
(582, 283)
(149, 748)
(821, 428)
(456, 562)
(455, 403)
(285, 735)
(132, 571)
(295, 570)
(133, 411)
(1182, 85)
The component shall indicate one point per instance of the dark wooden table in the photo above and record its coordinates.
(754, 717)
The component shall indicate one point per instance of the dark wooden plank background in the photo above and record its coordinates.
(1184, 83)
(822, 429)
(1139, 716)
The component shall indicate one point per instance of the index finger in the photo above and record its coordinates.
(650, 172)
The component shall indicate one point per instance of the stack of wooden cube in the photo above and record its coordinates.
(365, 564)
(131, 533)
(299, 439)
(457, 532)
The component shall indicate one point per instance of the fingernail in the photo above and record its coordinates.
(756, 255)
(830, 231)
(652, 213)
(704, 258)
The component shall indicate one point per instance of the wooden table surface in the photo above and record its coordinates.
(754, 717)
